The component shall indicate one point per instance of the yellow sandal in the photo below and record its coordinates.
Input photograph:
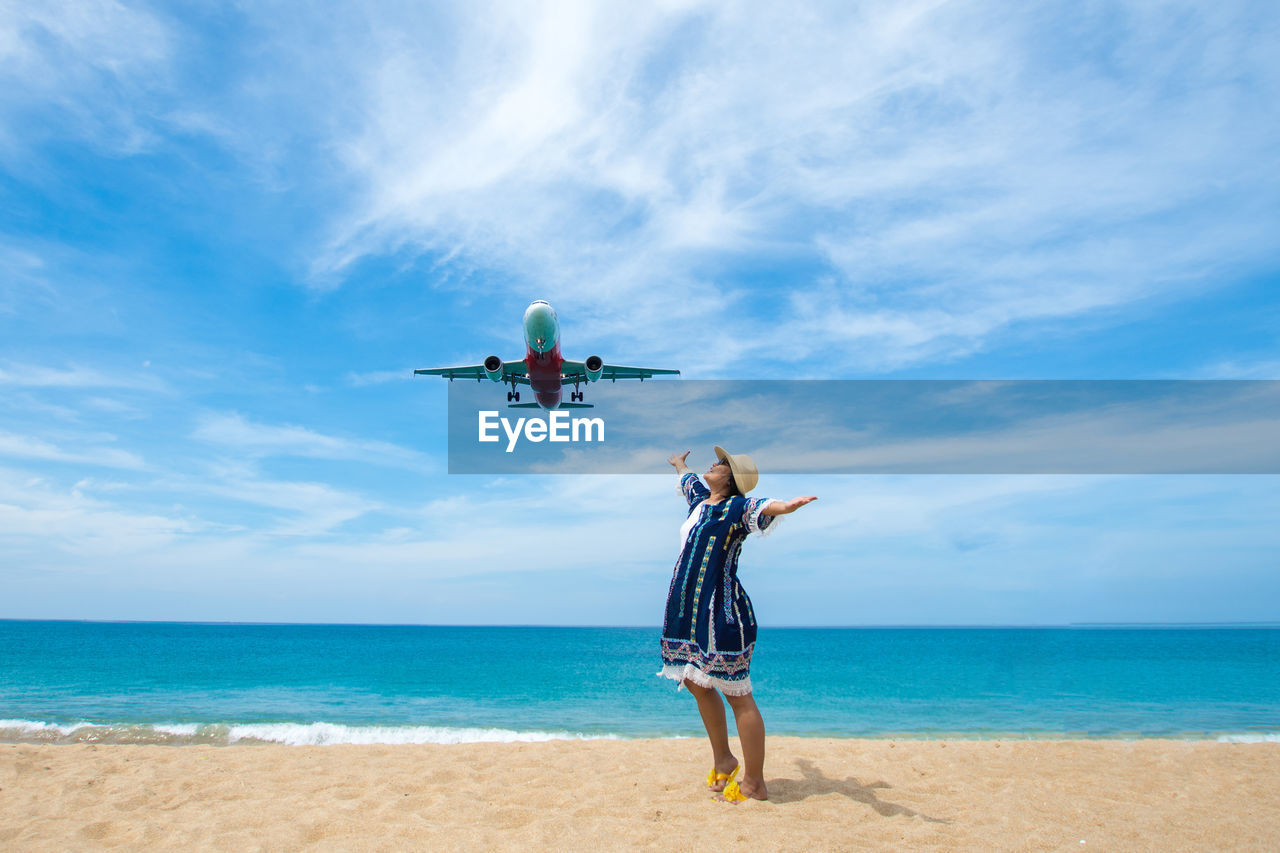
(714, 777)
(733, 794)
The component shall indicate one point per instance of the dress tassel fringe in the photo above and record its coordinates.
(689, 672)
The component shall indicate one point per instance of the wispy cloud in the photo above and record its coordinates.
(38, 517)
(306, 509)
(27, 447)
(1259, 368)
(111, 406)
(84, 67)
(870, 186)
(23, 279)
(260, 440)
(823, 189)
(378, 377)
(947, 170)
(76, 376)
(27, 403)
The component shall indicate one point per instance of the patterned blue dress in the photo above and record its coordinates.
(710, 628)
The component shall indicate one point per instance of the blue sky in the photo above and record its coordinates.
(228, 232)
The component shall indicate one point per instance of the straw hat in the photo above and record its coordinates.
(745, 475)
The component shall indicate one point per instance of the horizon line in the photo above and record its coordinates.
(958, 625)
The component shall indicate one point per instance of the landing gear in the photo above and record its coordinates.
(575, 396)
(513, 395)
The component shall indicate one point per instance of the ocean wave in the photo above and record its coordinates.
(290, 734)
(323, 734)
(332, 734)
(35, 727)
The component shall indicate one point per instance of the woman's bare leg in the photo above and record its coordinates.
(751, 733)
(712, 710)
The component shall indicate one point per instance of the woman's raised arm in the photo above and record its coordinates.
(777, 507)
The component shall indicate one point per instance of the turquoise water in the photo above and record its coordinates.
(185, 683)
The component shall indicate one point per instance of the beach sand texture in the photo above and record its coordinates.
(644, 795)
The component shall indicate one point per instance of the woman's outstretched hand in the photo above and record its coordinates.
(678, 460)
(777, 507)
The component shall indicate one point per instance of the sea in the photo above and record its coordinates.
(217, 684)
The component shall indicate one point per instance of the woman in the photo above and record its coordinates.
(710, 629)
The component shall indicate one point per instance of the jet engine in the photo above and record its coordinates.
(493, 368)
(594, 365)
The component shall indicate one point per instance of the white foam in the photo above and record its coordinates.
(292, 734)
(38, 727)
(324, 734)
(1273, 737)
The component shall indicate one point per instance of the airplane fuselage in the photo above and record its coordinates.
(543, 358)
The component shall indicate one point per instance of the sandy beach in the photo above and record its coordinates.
(644, 795)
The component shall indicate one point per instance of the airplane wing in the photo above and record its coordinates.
(576, 371)
(512, 371)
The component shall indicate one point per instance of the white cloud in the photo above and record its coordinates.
(378, 377)
(309, 509)
(23, 280)
(1256, 368)
(26, 447)
(115, 407)
(874, 546)
(929, 175)
(39, 376)
(234, 431)
(93, 63)
(39, 520)
(960, 170)
(30, 403)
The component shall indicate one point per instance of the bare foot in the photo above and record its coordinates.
(752, 789)
(726, 768)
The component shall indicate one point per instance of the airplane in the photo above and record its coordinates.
(543, 368)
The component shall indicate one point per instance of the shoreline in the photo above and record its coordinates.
(223, 735)
(296, 735)
(826, 794)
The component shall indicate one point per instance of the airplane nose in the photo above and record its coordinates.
(540, 325)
